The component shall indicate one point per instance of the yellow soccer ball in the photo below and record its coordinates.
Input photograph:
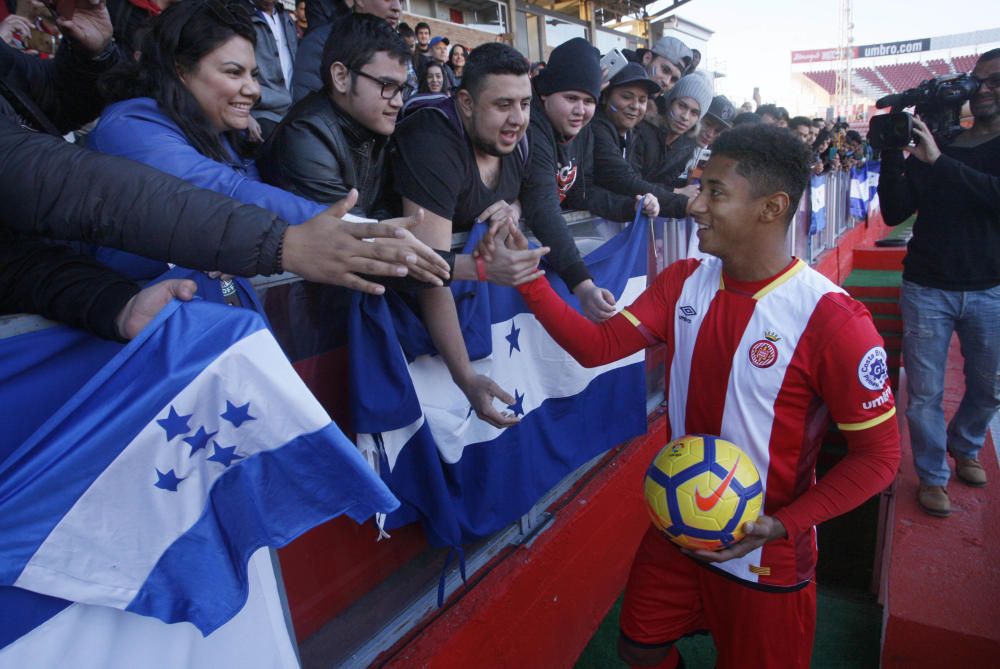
(700, 490)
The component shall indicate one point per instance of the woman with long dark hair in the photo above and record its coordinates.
(434, 79)
(184, 107)
(456, 64)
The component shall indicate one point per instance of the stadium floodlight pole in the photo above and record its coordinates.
(845, 43)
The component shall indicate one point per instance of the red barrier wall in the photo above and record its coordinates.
(539, 606)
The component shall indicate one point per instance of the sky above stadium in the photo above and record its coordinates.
(753, 40)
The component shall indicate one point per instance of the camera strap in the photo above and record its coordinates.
(31, 115)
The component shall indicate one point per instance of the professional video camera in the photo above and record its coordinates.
(938, 101)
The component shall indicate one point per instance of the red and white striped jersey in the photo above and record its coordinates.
(765, 365)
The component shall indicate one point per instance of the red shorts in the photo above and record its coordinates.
(670, 595)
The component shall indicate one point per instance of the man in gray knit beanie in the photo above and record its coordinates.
(686, 104)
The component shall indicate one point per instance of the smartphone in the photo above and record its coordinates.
(612, 63)
(42, 42)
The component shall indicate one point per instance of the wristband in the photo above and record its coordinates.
(480, 268)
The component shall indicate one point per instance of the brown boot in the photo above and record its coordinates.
(970, 472)
(934, 500)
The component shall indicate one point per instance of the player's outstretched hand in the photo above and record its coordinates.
(480, 391)
(758, 533)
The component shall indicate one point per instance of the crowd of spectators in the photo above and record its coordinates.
(337, 143)
(334, 109)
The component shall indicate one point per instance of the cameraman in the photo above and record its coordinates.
(951, 283)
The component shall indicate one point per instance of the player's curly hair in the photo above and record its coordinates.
(770, 158)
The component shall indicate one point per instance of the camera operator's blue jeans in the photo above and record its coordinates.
(930, 316)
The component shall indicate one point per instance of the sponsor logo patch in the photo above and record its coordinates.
(878, 401)
(873, 370)
(763, 353)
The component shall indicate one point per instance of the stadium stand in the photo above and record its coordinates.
(879, 80)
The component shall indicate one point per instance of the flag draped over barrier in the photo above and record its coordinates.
(462, 477)
(817, 203)
(146, 475)
(859, 192)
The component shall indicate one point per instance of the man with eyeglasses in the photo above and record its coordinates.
(951, 284)
(334, 139)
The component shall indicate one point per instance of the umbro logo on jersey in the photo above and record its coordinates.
(687, 312)
(878, 401)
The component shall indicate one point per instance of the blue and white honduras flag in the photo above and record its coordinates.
(817, 203)
(150, 489)
(859, 192)
(462, 477)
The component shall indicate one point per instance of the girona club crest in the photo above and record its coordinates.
(763, 353)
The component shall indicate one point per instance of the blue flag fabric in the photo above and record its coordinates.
(463, 478)
(194, 445)
(817, 203)
(874, 168)
(859, 192)
(40, 372)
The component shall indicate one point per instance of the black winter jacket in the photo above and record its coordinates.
(321, 153)
(659, 162)
(561, 174)
(613, 171)
(129, 206)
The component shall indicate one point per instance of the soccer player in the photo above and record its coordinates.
(762, 350)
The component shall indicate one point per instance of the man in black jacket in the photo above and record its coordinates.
(562, 167)
(951, 284)
(334, 140)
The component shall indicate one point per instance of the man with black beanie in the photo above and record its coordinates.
(561, 170)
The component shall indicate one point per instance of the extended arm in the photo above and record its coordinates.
(440, 317)
(60, 284)
(591, 344)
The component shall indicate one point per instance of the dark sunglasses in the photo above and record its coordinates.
(992, 82)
